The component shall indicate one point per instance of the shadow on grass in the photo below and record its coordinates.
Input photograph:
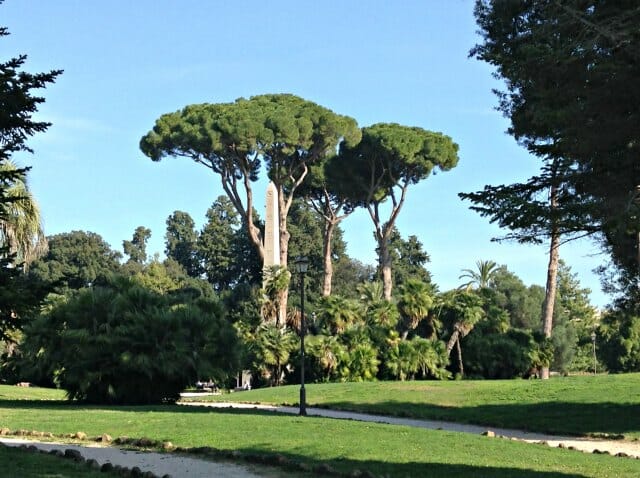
(414, 469)
(559, 418)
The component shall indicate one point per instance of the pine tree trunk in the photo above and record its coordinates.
(283, 295)
(385, 268)
(328, 263)
(552, 279)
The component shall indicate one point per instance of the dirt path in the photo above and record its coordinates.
(631, 448)
(160, 464)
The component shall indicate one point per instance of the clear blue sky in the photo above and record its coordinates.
(127, 62)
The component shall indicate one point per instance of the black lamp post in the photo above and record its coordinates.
(595, 362)
(301, 265)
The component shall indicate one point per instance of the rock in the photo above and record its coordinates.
(5, 431)
(73, 454)
(145, 442)
(105, 438)
(136, 472)
(324, 469)
(80, 436)
(489, 433)
(622, 455)
(93, 464)
(304, 467)
(106, 467)
(168, 446)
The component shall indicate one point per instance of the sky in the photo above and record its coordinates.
(128, 62)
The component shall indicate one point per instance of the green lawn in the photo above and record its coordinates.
(390, 451)
(584, 405)
(19, 463)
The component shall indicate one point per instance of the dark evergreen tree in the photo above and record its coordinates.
(571, 70)
(136, 248)
(18, 104)
(409, 259)
(215, 244)
(75, 260)
(181, 242)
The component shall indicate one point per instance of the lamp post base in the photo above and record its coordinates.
(303, 401)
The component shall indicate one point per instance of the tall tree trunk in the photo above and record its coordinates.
(329, 227)
(552, 277)
(460, 365)
(452, 340)
(385, 267)
(284, 204)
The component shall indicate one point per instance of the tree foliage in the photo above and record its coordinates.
(571, 70)
(76, 260)
(123, 343)
(136, 248)
(181, 242)
(215, 244)
(19, 221)
(389, 159)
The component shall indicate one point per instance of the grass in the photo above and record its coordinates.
(386, 450)
(30, 393)
(19, 463)
(581, 406)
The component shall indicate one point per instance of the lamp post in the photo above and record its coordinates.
(301, 265)
(593, 340)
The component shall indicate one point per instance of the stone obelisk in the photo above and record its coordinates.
(272, 229)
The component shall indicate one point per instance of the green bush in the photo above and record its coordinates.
(619, 341)
(122, 343)
(498, 356)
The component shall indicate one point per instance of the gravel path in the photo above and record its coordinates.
(631, 448)
(160, 464)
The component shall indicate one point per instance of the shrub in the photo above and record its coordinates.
(499, 356)
(123, 343)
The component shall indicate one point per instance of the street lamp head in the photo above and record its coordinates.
(593, 336)
(301, 264)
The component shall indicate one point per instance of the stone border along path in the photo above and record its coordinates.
(165, 465)
(589, 445)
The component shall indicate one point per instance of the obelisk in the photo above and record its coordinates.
(271, 229)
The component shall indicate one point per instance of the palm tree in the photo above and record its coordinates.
(273, 346)
(21, 230)
(463, 310)
(327, 350)
(338, 314)
(378, 311)
(482, 278)
(414, 303)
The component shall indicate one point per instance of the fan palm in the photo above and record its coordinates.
(21, 230)
(273, 348)
(338, 314)
(414, 302)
